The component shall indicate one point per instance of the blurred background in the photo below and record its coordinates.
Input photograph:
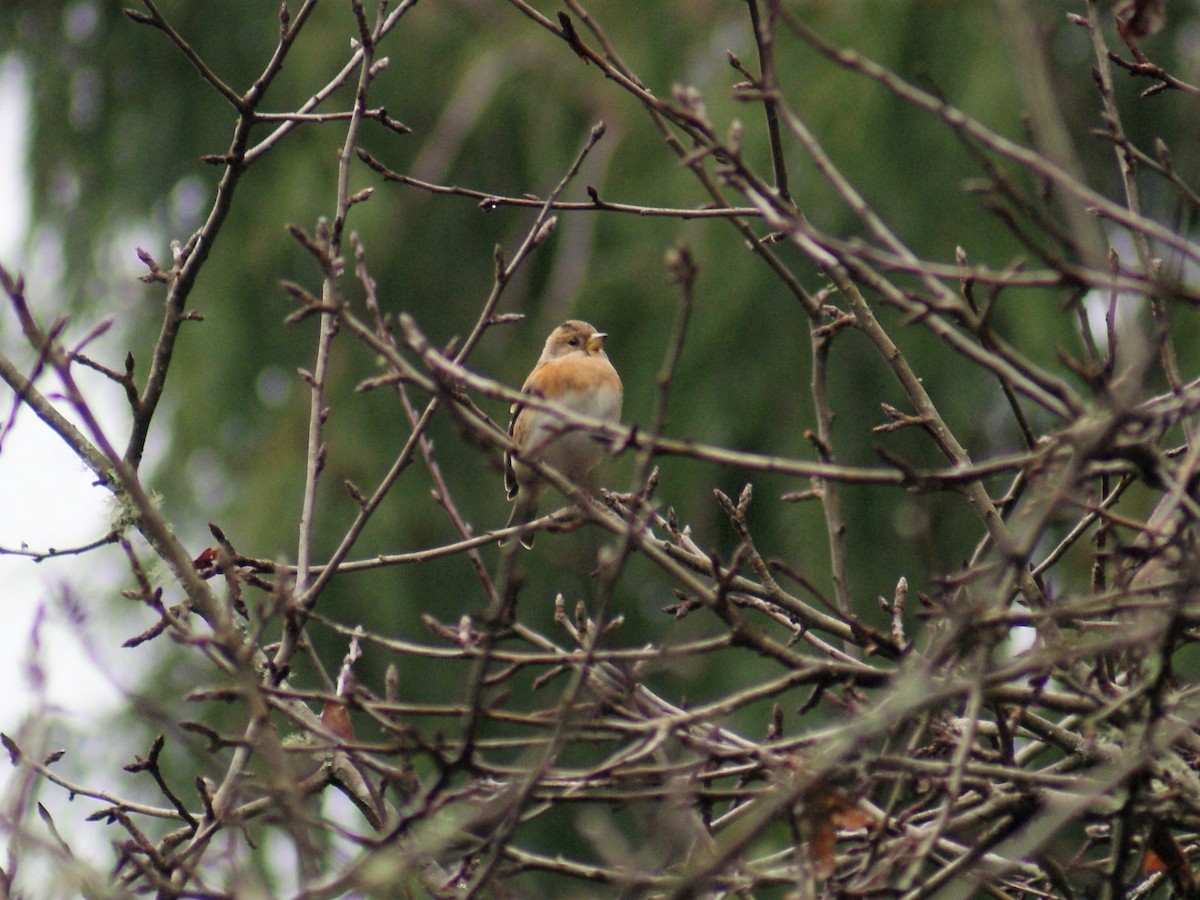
(115, 121)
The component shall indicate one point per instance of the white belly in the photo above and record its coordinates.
(575, 453)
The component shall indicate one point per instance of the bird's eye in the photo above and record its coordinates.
(574, 342)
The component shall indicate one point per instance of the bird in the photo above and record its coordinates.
(574, 372)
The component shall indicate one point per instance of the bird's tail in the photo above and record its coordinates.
(524, 511)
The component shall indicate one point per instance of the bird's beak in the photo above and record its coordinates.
(596, 343)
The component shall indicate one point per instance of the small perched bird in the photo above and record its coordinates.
(574, 372)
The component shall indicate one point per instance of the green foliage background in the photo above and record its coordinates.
(121, 120)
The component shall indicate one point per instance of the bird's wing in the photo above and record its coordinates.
(510, 475)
